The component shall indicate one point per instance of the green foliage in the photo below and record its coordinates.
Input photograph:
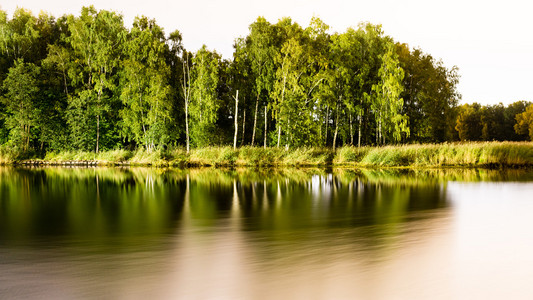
(145, 90)
(204, 100)
(97, 39)
(19, 102)
(87, 83)
(429, 94)
(293, 104)
(468, 122)
(524, 122)
(491, 122)
(387, 104)
(8, 154)
(18, 36)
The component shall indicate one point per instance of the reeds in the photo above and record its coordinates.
(481, 154)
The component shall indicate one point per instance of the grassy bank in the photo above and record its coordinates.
(487, 154)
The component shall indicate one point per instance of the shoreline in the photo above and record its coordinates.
(490, 155)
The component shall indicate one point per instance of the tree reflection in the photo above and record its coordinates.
(100, 204)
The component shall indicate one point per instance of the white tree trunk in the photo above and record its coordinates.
(236, 120)
(359, 134)
(265, 142)
(336, 129)
(255, 119)
(327, 123)
(187, 124)
(243, 126)
(351, 130)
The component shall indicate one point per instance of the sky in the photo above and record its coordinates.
(491, 42)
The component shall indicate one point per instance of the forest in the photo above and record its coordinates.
(89, 83)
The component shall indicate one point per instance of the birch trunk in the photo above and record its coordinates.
(236, 120)
(187, 124)
(243, 124)
(255, 119)
(359, 134)
(97, 131)
(265, 142)
(327, 123)
(186, 94)
(98, 119)
(351, 131)
(336, 129)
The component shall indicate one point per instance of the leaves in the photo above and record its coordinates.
(387, 103)
(19, 101)
(204, 102)
(101, 85)
(524, 122)
(145, 91)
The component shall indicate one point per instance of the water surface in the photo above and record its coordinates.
(114, 233)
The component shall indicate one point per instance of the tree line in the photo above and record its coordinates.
(88, 83)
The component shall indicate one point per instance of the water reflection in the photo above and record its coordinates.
(109, 202)
(226, 234)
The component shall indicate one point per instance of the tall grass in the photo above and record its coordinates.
(213, 156)
(257, 156)
(482, 154)
(7, 155)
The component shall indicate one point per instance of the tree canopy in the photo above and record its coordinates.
(90, 83)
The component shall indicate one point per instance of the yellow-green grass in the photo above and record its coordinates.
(480, 154)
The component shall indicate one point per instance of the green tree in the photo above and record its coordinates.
(203, 99)
(240, 86)
(430, 94)
(511, 111)
(186, 88)
(288, 92)
(316, 72)
(468, 123)
(96, 38)
(493, 123)
(524, 122)
(348, 69)
(18, 36)
(370, 50)
(387, 103)
(261, 55)
(300, 71)
(145, 90)
(21, 89)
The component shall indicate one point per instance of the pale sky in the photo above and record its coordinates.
(490, 41)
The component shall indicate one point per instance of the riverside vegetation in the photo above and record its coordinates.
(480, 154)
(87, 88)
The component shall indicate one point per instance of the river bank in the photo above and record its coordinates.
(482, 154)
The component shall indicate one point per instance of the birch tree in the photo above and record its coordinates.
(19, 101)
(145, 89)
(96, 39)
(387, 103)
(203, 104)
(261, 52)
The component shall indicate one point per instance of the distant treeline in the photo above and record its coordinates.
(88, 83)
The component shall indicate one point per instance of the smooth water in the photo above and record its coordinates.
(110, 233)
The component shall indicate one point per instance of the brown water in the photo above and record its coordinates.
(241, 234)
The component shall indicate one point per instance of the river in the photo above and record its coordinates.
(138, 233)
